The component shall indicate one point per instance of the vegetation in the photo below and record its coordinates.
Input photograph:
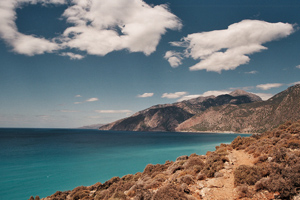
(275, 173)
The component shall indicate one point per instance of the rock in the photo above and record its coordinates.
(218, 174)
(215, 183)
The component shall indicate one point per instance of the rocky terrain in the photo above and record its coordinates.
(167, 117)
(262, 167)
(255, 117)
(238, 111)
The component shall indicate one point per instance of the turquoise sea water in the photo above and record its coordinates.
(43, 161)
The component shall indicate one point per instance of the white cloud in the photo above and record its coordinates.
(78, 95)
(97, 27)
(188, 97)
(21, 43)
(72, 56)
(174, 58)
(298, 66)
(295, 83)
(68, 111)
(251, 72)
(205, 94)
(113, 111)
(92, 99)
(145, 95)
(264, 96)
(173, 95)
(269, 86)
(227, 49)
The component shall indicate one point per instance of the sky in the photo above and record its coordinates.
(71, 63)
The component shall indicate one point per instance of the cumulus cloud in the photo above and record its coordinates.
(269, 86)
(78, 95)
(205, 94)
(229, 48)
(298, 66)
(72, 56)
(97, 27)
(145, 95)
(113, 111)
(173, 95)
(174, 58)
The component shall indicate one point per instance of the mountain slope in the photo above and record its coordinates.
(168, 116)
(252, 117)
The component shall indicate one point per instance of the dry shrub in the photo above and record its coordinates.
(245, 174)
(276, 183)
(155, 182)
(279, 155)
(168, 192)
(194, 163)
(242, 142)
(261, 159)
(243, 191)
(214, 163)
(108, 183)
(294, 128)
(185, 157)
(153, 170)
(80, 194)
(201, 176)
(188, 179)
(143, 194)
(293, 144)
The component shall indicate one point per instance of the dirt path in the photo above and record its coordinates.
(222, 188)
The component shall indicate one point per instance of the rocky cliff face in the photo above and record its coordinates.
(252, 117)
(167, 117)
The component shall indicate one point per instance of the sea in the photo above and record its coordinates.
(43, 161)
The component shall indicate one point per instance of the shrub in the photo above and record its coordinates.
(169, 191)
(243, 191)
(245, 174)
(188, 179)
(214, 163)
(242, 142)
(194, 163)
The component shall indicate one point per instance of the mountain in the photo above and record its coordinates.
(167, 117)
(93, 126)
(249, 118)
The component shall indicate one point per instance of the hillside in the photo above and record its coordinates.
(167, 117)
(248, 118)
(261, 167)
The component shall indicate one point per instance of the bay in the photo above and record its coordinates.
(43, 161)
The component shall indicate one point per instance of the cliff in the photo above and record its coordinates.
(264, 167)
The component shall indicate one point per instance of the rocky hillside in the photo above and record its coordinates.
(248, 118)
(167, 117)
(264, 167)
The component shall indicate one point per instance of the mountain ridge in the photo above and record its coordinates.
(167, 117)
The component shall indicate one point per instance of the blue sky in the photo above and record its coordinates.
(68, 64)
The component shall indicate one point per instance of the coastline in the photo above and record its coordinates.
(233, 171)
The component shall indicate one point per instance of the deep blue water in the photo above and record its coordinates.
(43, 161)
